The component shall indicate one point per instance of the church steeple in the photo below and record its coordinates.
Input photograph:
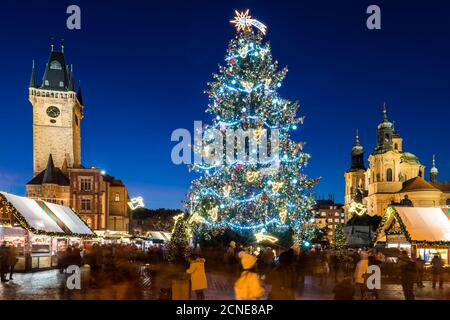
(385, 132)
(433, 171)
(357, 155)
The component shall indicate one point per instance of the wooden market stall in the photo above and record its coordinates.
(39, 230)
(420, 231)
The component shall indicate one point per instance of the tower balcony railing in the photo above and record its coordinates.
(52, 94)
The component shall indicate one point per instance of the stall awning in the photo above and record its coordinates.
(419, 224)
(43, 217)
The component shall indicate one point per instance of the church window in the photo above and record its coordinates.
(86, 185)
(389, 174)
(117, 197)
(396, 146)
(55, 65)
(86, 204)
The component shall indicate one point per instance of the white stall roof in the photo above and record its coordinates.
(430, 224)
(48, 217)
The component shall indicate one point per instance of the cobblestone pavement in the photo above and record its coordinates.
(51, 285)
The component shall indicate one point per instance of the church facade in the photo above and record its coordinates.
(393, 176)
(58, 173)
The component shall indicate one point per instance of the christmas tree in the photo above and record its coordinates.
(178, 247)
(338, 237)
(251, 180)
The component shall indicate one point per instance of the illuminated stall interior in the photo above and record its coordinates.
(422, 232)
(38, 230)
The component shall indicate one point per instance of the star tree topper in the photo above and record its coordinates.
(243, 21)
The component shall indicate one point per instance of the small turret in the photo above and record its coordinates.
(433, 171)
(33, 77)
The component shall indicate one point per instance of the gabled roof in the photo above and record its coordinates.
(418, 224)
(417, 184)
(51, 175)
(41, 217)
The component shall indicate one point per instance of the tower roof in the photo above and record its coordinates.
(433, 169)
(51, 174)
(385, 123)
(357, 155)
(56, 75)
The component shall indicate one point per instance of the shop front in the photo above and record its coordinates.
(421, 232)
(38, 230)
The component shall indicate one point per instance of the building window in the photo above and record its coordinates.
(117, 197)
(55, 65)
(330, 220)
(337, 214)
(342, 220)
(61, 84)
(448, 201)
(396, 146)
(86, 204)
(323, 214)
(389, 174)
(342, 214)
(86, 185)
(336, 220)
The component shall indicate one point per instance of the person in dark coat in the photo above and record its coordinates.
(335, 264)
(282, 278)
(420, 266)
(3, 262)
(437, 268)
(408, 274)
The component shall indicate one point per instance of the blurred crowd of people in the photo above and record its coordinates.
(285, 273)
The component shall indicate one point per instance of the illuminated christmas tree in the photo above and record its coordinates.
(338, 237)
(251, 180)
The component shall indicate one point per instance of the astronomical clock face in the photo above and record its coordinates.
(53, 112)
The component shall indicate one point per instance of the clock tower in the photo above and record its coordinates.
(57, 115)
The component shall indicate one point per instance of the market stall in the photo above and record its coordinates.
(421, 232)
(39, 230)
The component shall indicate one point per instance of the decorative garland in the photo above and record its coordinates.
(24, 224)
(404, 231)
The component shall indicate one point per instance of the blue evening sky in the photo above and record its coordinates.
(144, 65)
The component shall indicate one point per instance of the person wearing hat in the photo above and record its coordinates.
(248, 286)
